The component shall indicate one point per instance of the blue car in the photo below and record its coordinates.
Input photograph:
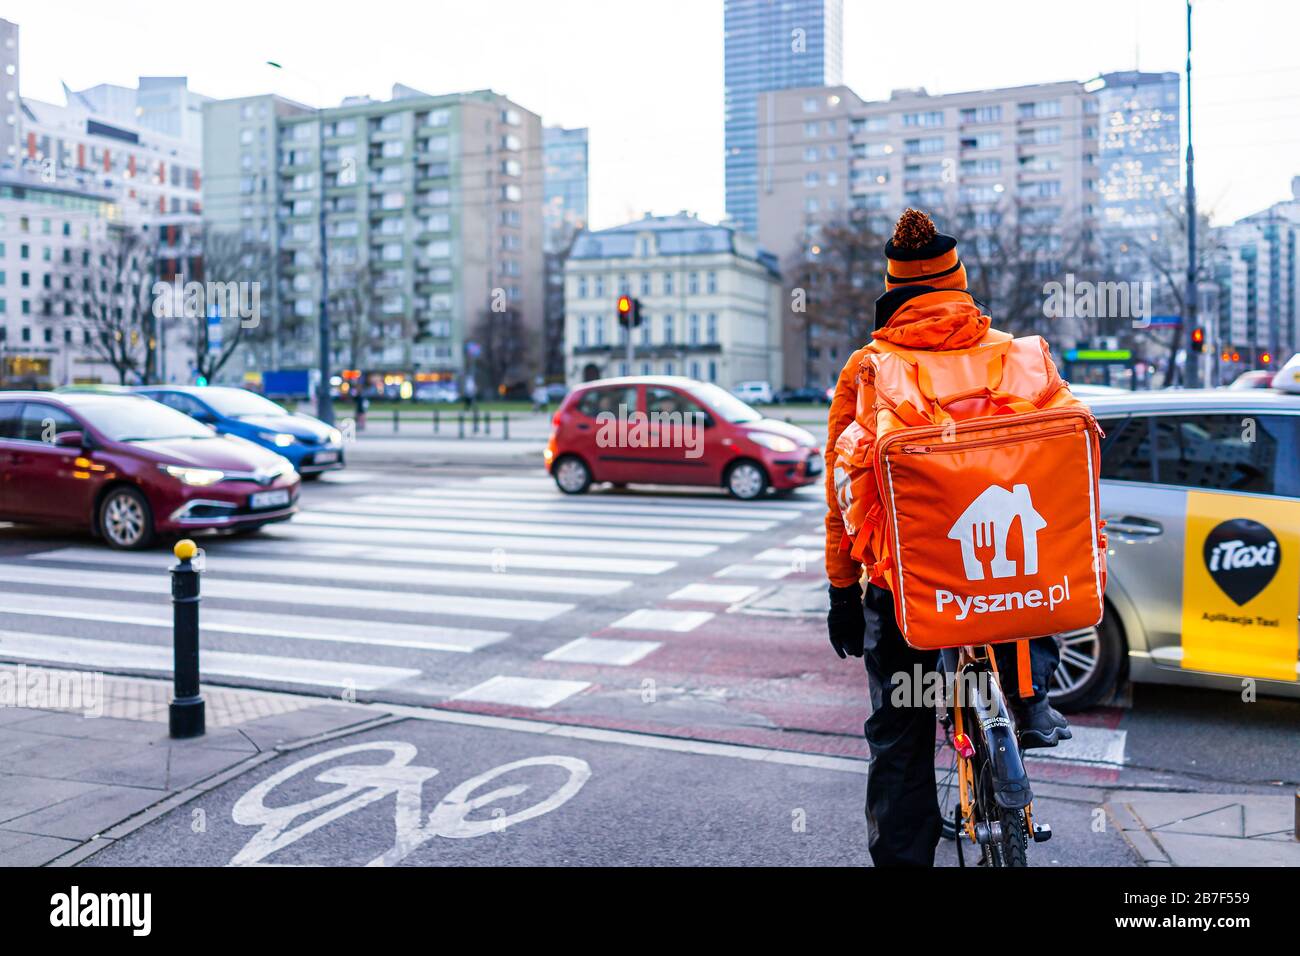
(310, 445)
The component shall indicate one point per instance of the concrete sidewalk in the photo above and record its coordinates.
(1208, 829)
(76, 779)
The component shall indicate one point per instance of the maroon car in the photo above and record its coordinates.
(132, 469)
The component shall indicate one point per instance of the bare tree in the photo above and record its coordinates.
(353, 288)
(1160, 256)
(105, 288)
(503, 348)
(833, 282)
(232, 276)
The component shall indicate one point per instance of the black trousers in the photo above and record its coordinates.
(903, 822)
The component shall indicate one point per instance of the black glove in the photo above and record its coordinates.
(846, 621)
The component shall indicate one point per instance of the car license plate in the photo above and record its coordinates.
(326, 457)
(269, 499)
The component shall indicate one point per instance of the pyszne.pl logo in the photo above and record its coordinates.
(982, 531)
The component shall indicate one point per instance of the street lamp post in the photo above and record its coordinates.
(1192, 367)
(324, 403)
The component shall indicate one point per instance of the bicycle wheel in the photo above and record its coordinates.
(1015, 839)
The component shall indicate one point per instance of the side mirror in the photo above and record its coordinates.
(69, 439)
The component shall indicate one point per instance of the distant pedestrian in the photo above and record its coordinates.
(363, 404)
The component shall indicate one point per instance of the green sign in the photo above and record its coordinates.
(1099, 355)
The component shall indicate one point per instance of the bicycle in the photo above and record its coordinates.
(990, 804)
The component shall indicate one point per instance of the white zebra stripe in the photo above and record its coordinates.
(121, 655)
(432, 604)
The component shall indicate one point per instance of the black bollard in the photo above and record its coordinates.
(435, 421)
(460, 425)
(185, 715)
(505, 426)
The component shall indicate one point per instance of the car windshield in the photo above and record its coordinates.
(134, 419)
(237, 403)
(726, 405)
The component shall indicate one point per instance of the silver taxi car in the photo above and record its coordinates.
(1200, 490)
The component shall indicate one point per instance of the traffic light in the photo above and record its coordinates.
(629, 312)
(1198, 339)
(1266, 358)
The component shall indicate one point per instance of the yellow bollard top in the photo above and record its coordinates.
(185, 549)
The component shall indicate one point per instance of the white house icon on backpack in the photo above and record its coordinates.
(986, 523)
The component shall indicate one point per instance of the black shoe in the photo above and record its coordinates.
(1038, 726)
(1062, 725)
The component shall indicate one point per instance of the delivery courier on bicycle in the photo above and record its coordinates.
(961, 491)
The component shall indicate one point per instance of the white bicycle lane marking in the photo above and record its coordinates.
(364, 784)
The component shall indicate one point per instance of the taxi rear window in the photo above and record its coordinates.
(1258, 454)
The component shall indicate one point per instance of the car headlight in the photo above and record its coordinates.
(335, 436)
(774, 442)
(279, 439)
(197, 477)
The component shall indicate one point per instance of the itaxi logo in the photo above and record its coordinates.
(983, 532)
(1242, 557)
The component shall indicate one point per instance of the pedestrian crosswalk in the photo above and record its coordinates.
(475, 591)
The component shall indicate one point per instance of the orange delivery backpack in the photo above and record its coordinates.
(969, 478)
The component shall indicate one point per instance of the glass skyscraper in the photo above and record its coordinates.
(564, 180)
(1139, 150)
(770, 45)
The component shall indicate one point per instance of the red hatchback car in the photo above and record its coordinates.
(674, 431)
(132, 469)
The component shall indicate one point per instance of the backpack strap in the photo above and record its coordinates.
(1024, 679)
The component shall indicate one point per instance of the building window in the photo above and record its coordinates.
(582, 330)
(668, 329)
(693, 283)
(645, 283)
(711, 283)
(668, 283)
(711, 328)
(693, 329)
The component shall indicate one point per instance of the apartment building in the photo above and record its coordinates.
(67, 174)
(710, 300)
(978, 161)
(43, 225)
(1259, 278)
(433, 216)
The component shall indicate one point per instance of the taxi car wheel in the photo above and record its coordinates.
(572, 476)
(1090, 664)
(746, 480)
(126, 520)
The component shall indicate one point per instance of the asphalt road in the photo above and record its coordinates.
(680, 614)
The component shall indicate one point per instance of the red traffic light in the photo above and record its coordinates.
(1266, 358)
(1198, 335)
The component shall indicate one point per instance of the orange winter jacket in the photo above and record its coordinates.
(934, 322)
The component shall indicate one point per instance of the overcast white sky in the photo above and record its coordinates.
(646, 75)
